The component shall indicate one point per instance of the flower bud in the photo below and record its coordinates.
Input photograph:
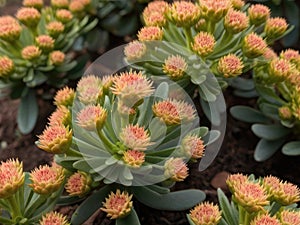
(150, 34)
(10, 29)
(31, 52)
(135, 50)
(265, 219)
(55, 28)
(64, 97)
(45, 42)
(78, 184)
(54, 218)
(234, 181)
(253, 46)
(134, 158)
(269, 54)
(57, 57)
(176, 169)
(89, 89)
(258, 14)
(289, 217)
(235, 21)
(29, 16)
(55, 139)
(206, 214)
(78, 6)
(160, 7)
(155, 19)
(214, 10)
(193, 146)
(175, 67)
(117, 205)
(251, 196)
(38, 4)
(173, 112)
(46, 180)
(135, 137)
(184, 14)
(6, 67)
(237, 4)
(64, 15)
(275, 28)
(230, 66)
(204, 43)
(11, 177)
(92, 118)
(279, 69)
(60, 3)
(292, 56)
(285, 113)
(61, 116)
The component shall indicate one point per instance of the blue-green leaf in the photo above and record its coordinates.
(270, 132)
(131, 219)
(291, 148)
(227, 211)
(248, 114)
(265, 149)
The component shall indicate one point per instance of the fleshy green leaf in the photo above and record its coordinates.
(27, 112)
(269, 94)
(270, 132)
(291, 148)
(227, 211)
(248, 114)
(89, 206)
(265, 149)
(131, 219)
(173, 201)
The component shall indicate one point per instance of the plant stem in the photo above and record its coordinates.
(189, 37)
(110, 146)
(15, 209)
(275, 208)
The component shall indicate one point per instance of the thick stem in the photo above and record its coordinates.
(110, 146)
(15, 207)
(189, 37)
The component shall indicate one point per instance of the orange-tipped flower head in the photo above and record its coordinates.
(175, 67)
(204, 43)
(38, 4)
(29, 16)
(292, 56)
(89, 89)
(117, 205)
(6, 67)
(135, 137)
(64, 15)
(193, 146)
(279, 69)
(45, 42)
(31, 52)
(55, 28)
(10, 29)
(61, 116)
(131, 87)
(57, 57)
(289, 217)
(60, 3)
(46, 180)
(151, 33)
(184, 14)
(79, 6)
(134, 158)
(205, 214)
(237, 4)
(214, 10)
(251, 196)
(92, 118)
(135, 50)
(285, 113)
(64, 97)
(78, 184)
(275, 27)
(176, 169)
(173, 112)
(155, 19)
(269, 54)
(253, 46)
(235, 21)
(55, 139)
(265, 219)
(160, 7)
(54, 218)
(235, 180)
(230, 66)
(11, 177)
(258, 14)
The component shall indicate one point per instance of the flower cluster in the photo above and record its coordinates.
(255, 202)
(35, 48)
(189, 42)
(28, 196)
(125, 129)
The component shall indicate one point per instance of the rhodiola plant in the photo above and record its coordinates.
(131, 138)
(276, 121)
(204, 45)
(27, 198)
(35, 53)
(266, 200)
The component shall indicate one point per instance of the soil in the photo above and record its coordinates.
(236, 155)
